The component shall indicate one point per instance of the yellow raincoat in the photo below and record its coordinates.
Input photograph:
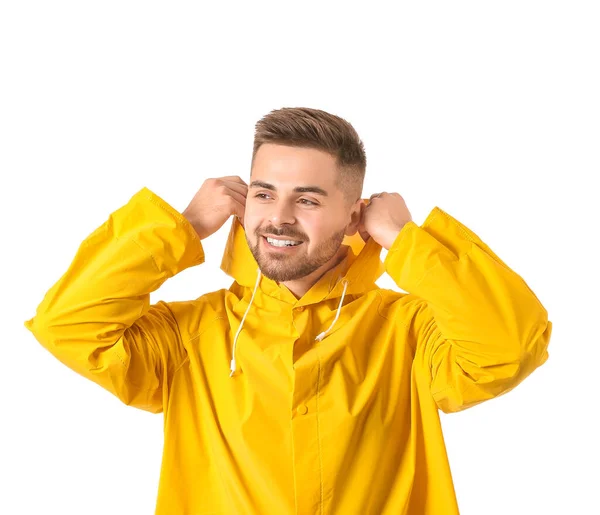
(332, 407)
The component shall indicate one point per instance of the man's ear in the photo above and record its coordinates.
(355, 217)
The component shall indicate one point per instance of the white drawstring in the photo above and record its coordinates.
(324, 333)
(318, 338)
(232, 365)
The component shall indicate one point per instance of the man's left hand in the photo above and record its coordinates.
(383, 218)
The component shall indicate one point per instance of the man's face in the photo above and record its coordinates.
(293, 198)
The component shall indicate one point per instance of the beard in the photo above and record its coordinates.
(290, 267)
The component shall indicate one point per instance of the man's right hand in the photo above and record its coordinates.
(215, 202)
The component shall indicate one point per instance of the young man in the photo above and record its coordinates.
(304, 388)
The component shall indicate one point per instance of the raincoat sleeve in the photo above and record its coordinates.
(97, 318)
(479, 328)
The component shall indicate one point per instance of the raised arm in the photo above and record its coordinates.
(97, 318)
(480, 329)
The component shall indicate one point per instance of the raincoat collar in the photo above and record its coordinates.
(361, 267)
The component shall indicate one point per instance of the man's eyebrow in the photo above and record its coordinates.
(298, 189)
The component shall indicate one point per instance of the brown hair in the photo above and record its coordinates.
(314, 128)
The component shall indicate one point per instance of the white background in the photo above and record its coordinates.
(489, 110)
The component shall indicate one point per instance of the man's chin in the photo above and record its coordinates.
(282, 273)
(278, 275)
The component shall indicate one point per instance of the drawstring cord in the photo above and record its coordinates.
(318, 338)
(324, 333)
(233, 364)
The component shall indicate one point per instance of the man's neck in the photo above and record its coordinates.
(300, 286)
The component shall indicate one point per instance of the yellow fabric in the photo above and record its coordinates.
(349, 425)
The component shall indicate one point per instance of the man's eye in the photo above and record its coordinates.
(305, 201)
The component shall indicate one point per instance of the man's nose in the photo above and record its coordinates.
(282, 213)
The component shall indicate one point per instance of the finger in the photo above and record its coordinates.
(238, 209)
(238, 197)
(363, 233)
(233, 178)
(236, 186)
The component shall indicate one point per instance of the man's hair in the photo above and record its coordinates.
(314, 128)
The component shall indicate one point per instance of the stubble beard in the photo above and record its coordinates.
(283, 267)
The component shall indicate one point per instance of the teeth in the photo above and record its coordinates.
(282, 243)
